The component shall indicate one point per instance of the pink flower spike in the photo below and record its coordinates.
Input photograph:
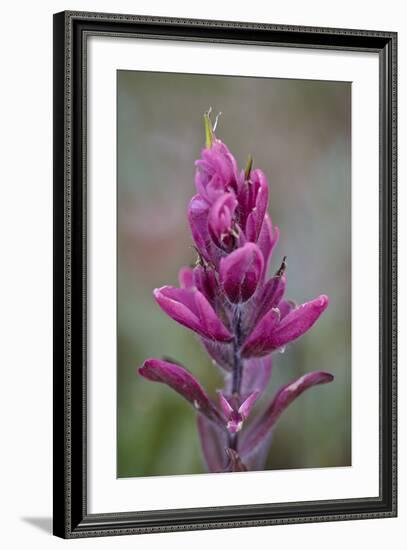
(240, 314)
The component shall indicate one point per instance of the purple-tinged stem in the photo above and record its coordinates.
(237, 359)
(237, 374)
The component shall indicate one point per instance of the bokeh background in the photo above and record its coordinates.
(299, 133)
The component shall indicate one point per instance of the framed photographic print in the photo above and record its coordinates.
(224, 274)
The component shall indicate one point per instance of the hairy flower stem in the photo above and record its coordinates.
(237, 366)
(237, 359)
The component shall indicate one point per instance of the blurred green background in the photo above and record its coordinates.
(299, 133)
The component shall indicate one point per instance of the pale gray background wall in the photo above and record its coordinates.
(25, 288)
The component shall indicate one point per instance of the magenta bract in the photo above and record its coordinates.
(182, 382)
(240, 272)
(284, 397)
(221, 221)
(240, 315)
(190, 308)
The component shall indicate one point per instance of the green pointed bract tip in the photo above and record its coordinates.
(209, 135)
(248, 168)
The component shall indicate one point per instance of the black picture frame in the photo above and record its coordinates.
(71, 519)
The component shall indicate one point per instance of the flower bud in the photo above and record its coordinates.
(220, 221)
(240, 272)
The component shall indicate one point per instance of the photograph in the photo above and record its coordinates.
(225, 274)
(233, 274)
(201, 226)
